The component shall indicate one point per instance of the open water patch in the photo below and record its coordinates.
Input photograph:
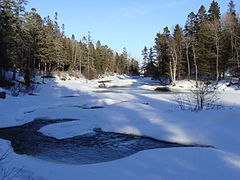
(106, 91)
(95, 147)
(88, 107)
(71, 96)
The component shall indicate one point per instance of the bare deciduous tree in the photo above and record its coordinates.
(203, 97)
(229, 24)
(173, 61)
(215, 33)
(187, 42)
(195, 61)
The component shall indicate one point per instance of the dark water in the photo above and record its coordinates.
(95, 147)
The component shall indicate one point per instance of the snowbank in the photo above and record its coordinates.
(131, 109)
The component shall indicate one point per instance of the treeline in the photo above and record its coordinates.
(206, 48)
(30, 43)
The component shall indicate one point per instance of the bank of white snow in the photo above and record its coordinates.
(129, 109)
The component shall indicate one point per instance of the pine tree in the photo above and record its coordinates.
(179, 37)
(201, 17)
(58, 44)
(162, 52)
(214, 12)
(145, 58)
(190, 31)
(150, 69)
(134, 67)
(125, 66)
(203, 50)
(215, 37)
(34, 27)
(7, 20)
(90, 57)
(190, 26)
(231, 7)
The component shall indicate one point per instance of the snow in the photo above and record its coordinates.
(131, 107)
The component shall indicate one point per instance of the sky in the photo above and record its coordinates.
(121, 23)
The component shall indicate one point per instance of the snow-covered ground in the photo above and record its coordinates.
(134, 109)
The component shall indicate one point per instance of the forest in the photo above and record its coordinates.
(207, 48)
(30, 44)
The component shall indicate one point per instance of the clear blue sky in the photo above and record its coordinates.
(122, 23)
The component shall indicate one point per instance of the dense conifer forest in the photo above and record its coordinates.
(206, 48)
(31, 44)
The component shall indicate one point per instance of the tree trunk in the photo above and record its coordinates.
(34, 63)
(217, 61)
(238, 61)
(232, 46)
(2, 74)
(58, 65)
(88, 64)
(195, 64)
(237, 54)
(173, 62)
(75, 57)
(39, 66)
(45, 67)
(171, 71)
(80, 62)
(188, 62)
(14, 74)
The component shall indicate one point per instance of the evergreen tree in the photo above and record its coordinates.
(145, 57)
(203, 50)
(34, 27)
(201, 17)
(179, 37)
(214, 11)
(59, 47)
(150, 69)
(215, 37)
(190, 26)
(231, 7)
(7, 20)
(125, 63)
(134, 67)
(190, 43)
(162, 52)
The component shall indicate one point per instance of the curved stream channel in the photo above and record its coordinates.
(95, 147)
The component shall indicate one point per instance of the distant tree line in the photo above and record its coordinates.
(30, 43)
(206, 48)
